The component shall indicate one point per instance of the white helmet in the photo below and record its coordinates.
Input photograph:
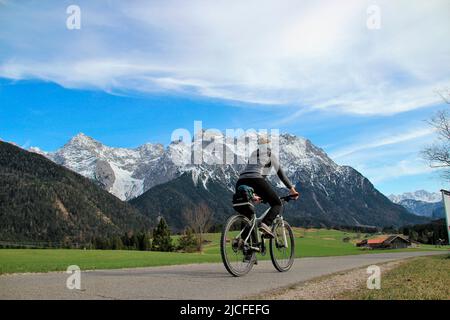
(263, 138)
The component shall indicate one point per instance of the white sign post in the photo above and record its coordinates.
(446, 197)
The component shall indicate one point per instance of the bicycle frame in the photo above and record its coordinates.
(254, 221)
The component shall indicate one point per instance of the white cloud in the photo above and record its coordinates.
(305, 53)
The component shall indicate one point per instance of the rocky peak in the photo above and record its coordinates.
(82, 140)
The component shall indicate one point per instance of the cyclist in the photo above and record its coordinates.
(254, 175)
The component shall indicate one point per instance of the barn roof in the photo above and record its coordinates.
(378, 240)
(397, 236)
(386, 239)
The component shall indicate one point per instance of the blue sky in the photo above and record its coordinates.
(133, 73)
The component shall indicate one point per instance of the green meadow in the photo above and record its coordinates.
(309, 243)
(408, 281)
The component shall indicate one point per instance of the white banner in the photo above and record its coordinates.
(446, 197)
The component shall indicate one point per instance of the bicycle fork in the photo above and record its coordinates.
(284, 233)
(285, 241)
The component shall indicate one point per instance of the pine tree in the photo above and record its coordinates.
(188, 242)
(161, 237)
(126, 240)
(134, 242)
(117, 243)
(144, 241)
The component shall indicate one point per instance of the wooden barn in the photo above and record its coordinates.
(385, 242)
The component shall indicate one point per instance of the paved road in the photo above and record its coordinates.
(196, 281)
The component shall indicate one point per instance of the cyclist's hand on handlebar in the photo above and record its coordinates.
(293, 193)
(257, 199)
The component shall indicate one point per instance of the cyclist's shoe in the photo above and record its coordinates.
(265, 229)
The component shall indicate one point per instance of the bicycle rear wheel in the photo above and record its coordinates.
(282, 247)
(238, 258)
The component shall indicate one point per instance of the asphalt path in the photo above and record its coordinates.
(194, 281)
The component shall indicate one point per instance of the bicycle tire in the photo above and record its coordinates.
(273, 247)
(223, 243)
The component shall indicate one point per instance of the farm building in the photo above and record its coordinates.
(385, 242)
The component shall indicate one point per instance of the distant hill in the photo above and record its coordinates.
(171, 199)
(40, 200)
(347, 203)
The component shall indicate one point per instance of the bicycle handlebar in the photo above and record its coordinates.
(289, 197)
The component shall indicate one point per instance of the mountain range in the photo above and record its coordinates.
(151, 178)
(421, 203)
(43, 201)
(419, 195)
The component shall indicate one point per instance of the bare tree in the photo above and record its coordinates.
(438, 153)
(444, 93)
(199, 220)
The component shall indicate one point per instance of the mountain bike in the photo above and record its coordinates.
(241, 240)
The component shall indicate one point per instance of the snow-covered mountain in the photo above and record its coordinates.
(127, 173)
(419, 195)
(160, 182)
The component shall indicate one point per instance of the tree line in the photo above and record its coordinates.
(198, 221)
(434, 232)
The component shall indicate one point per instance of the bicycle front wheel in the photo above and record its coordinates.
(237, 255)
(282, 246)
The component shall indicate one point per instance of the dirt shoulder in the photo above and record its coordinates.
(330, 287)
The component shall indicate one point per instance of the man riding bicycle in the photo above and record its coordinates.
(254, 175)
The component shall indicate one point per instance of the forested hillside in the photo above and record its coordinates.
(40, 200)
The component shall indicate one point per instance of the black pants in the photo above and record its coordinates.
(264, 190)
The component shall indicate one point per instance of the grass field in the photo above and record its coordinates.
(309, 243)
(417, 279)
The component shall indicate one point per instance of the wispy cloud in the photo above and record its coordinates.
(379, 141)
(297, 53)
(402, 168)
(388, 154)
